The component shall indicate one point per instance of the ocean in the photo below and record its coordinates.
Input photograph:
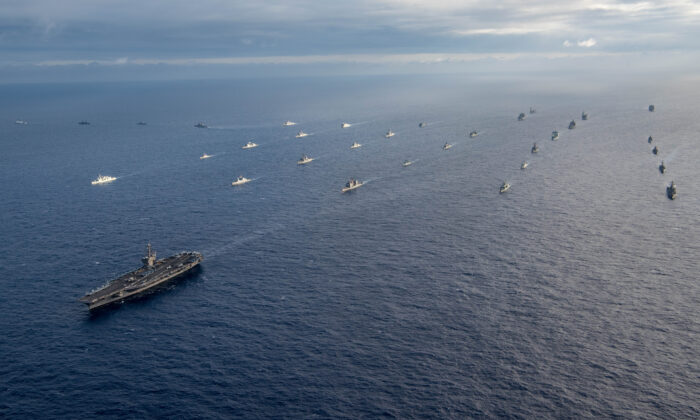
(423, 294)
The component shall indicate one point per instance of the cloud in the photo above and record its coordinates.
(588, 43)
(90, 30)
(391, 59)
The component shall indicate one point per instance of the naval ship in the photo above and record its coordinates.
(138, 282)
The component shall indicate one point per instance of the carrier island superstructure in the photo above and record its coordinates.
(138, 282)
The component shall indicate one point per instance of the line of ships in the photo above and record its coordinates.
(154, 273)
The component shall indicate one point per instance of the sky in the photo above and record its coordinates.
(129, 39)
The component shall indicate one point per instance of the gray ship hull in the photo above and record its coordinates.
(142, 280)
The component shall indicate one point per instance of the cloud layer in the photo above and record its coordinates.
(173, 31)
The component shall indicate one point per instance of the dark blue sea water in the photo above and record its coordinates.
(425, 293)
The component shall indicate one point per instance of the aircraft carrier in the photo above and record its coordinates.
(138, 282)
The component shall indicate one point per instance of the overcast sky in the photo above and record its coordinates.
(36, 35)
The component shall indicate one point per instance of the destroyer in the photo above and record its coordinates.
(351, 185)
(572, 125)
(304, 160)
(671, 191)
(240, 180)
(138, 282)
(504, 187)
(103, 179)
(555, 135)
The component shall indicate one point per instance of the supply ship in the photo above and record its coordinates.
(138, 282)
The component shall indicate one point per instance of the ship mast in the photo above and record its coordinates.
(150, 258)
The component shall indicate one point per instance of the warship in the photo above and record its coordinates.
(572, 125)
(650, 139)
(671, 192)
(521, 116)
(142, 280)
(651, 108)
(584, 116)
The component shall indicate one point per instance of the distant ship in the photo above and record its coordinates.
(521, 116)
(534, 149)
(473, 134)
(205, 156)
(421, 125)
(345, 125)
(532, 110)
(671, 192)
(288, 123)
(351, 185)
(83, 122)
(21, 122)
(584, 116)
(142, 280)
(304, 160)
(524, 165)
(662, 167)
(504, 187)
(240, 180)
(655, 150)
(651, 108)
(407, 163)
(249, 145)
(200, 125)
(355, 145)
(141, 123)
(101, 179)
(572, 125)
(389, 134)
(555, 135)
(301, 134)
(446, 146)
(650, 140)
